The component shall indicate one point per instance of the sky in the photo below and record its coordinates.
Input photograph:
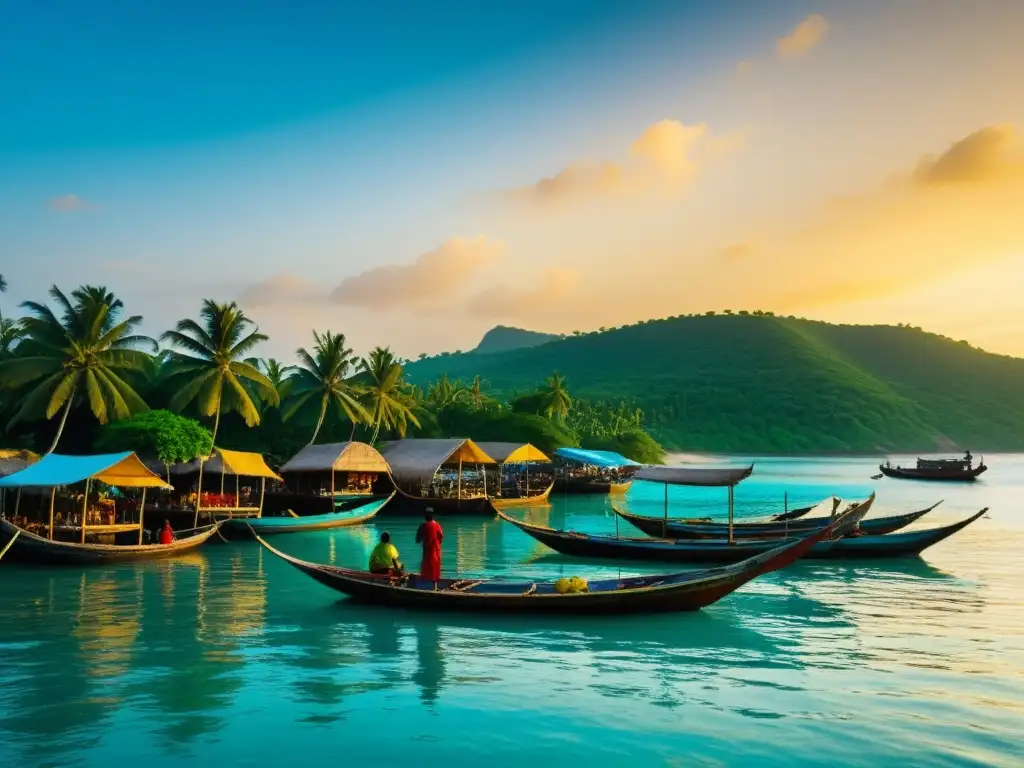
(412, 174)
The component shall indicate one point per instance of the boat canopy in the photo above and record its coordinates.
(602, 459)
(337, 457)
(15, 460)
(121, 469)
(417, 460)
(513, 453)
(695, 476)
(220, 461)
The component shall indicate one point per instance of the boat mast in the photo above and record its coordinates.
(85, 506)
(731, 541)
(142, 513)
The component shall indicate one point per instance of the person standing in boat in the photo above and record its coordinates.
(384, 558)
(167, 534)
(430, 535)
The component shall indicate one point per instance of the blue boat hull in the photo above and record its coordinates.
(287, 524)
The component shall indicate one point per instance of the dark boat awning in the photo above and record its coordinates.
(706, 477)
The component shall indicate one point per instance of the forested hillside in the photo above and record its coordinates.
(765, 383)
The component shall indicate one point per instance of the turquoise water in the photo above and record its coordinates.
(231, 657)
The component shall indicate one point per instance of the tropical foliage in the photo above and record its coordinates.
(388, 400)
(166, 436)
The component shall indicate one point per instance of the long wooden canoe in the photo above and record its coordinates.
(502, 502)
(907, 544)
(289, 524)
(403, 503)
(687, 591)
(35, 549)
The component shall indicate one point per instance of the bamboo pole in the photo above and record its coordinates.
(53, 493)
(238, 492)
(142, 513)
(10, 543)
(17, 502)
(85, 506)
(485, 477)
(263, 488)
(199, 492)
(332, 486)
(528, 480)
(664, 525)
(730, 513)
(458, 492)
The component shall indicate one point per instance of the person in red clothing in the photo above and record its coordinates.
(430, 535)
(166, 535)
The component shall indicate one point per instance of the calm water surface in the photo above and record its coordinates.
(231, 657)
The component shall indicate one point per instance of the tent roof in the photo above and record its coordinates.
(122, 469)
(416, 460)
(603, 459)
(241, 463)
(694, 475)
(341, 457)
(513, 453)
(15, 460)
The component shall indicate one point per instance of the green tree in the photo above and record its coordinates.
(171, 438)
(387, 398)
(11, 332)
(322, 378)
(83, 354)
(445, 393)
(557, 401)
(212, 368)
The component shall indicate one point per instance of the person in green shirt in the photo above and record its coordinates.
(384, 558)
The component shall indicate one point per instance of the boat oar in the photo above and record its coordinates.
(9, 543)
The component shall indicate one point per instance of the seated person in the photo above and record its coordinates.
(384, 558)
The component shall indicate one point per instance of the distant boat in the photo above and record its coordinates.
(877, 477)
(955, 470)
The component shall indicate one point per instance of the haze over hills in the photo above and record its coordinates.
(760, 383)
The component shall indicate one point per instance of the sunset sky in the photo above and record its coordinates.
(415, 173)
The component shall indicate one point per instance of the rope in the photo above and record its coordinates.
(222, 538)
(531, 590)
(462, 586)
(9, 543)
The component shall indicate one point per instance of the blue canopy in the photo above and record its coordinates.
(124, 469)
(603, 459)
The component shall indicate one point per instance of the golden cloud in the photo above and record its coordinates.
(805, 36)
(433, 280)
(985, 155)
(281, 289)
(556, 284)
(664, 158)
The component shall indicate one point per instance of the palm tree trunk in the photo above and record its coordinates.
(216, 425)
(376, 431)
(320, 421)
(63, 421)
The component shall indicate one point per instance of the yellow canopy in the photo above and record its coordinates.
(122, 469)
(470, 453)
(513, 453)
(245, 463)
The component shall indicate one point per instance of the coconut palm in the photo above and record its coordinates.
(557, 401)
(210, 368)
(444, 393)
(3, 289)
(323, 378)
(90, 298)
(387, 398)
(279, 375)
(476, 394)
(11, 332)
(86, 353)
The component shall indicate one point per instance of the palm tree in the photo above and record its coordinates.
(91, 297)
(213, 369)
(445, 392)
(11, 332)
(476, 394)
(279, 375)
(556, 397)
(84, 352)
(323, 375)
(3, 289)
(388, 400)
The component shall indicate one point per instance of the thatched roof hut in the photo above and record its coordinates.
(414, 462)
(226, 462)
(337, 457)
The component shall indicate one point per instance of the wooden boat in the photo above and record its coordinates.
(686, 591)
(695, 529)
(28, 547)
(415, 464)
(877, 477)
(719, 550)
(792, 514)
(504, 496)
(292, 523)
(949, 470)
(908, 544)
(611, 473)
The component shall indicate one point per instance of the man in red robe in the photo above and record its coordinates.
(166, 535)
(430, 535)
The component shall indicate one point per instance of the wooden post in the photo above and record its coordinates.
(53, 493)
(263, 487)
(238, 492)
(485, 477)
(528, 480)
(730, 513)
(142, 513)
(664, 525)
(85, 506)
(332, 486)
(458, 492)
(17, 502)
(199, 491)
(785, 503)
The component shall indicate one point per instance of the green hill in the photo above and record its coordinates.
(760, 383)
(502, 338)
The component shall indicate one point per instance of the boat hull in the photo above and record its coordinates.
(580, 486)
(938, 475)
(30, 548)
(404, 504)
(287, 524)
(522, 501)
(908, 544)
(686, 591)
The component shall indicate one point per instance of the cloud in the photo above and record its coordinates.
(745, 68)
(282, 289)
(663, 159)
(556, 284)
(737, 252)
(68, 203)
(985, 155)
(805, 36)
(434, 279)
